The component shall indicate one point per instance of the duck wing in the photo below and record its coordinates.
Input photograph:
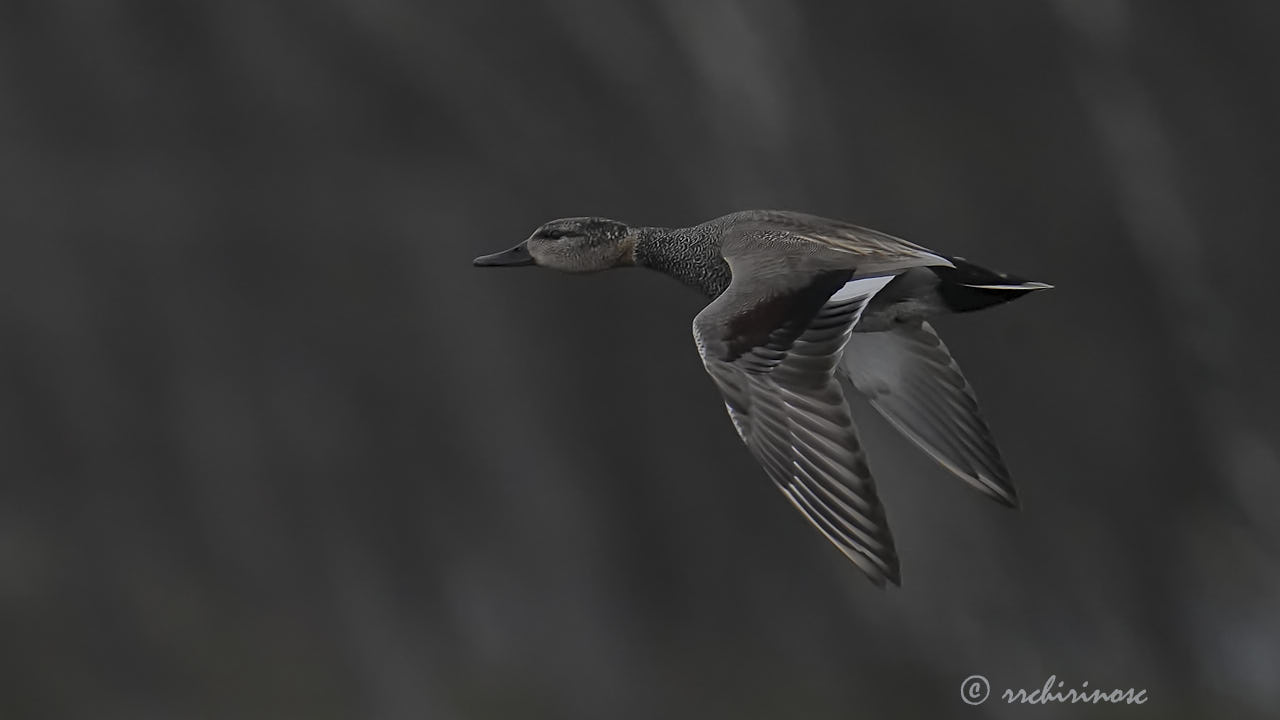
(772, 342)
(911, 379)
(774, 362)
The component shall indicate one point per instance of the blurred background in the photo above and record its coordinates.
(271, 448)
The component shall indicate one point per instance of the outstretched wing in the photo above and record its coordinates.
(773, 355)
(910, 377)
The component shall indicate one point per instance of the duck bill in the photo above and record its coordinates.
(515, 257)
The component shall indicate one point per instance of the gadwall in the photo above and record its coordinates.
(803, 311)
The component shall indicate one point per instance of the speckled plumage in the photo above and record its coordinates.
(690, 255)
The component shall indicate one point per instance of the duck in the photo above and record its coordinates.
(803, 314)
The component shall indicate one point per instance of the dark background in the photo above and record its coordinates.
(271, 448)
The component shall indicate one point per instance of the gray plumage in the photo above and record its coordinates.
(803, 311)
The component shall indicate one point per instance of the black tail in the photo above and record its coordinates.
(967, 287)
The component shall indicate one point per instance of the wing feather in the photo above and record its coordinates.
(791, 412)
(911, 379)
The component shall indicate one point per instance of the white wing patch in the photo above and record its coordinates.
(860, 290)
(861, 287)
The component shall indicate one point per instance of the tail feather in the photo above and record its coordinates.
(967, 287)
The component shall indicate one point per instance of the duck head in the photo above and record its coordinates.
(582, 244)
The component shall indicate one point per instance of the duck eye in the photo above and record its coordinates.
(556, 234)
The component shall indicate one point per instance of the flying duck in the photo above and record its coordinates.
(805, 311)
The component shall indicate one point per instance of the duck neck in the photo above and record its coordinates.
(690, 256)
